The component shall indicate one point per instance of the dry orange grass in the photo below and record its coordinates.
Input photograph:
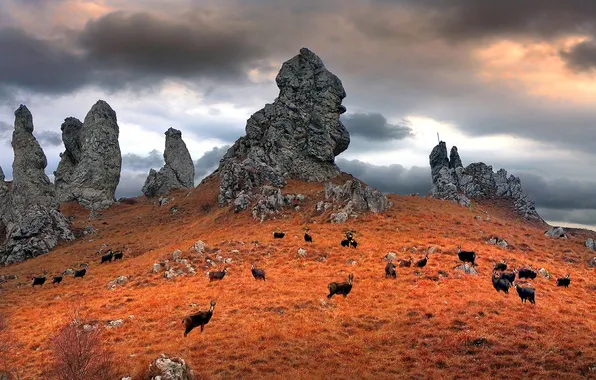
(416, 327)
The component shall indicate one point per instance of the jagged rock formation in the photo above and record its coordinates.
(298, 136)
(590, 243)
(89, 169)
(350, 198)
(453, 182)
(178, 171)
(29, 209)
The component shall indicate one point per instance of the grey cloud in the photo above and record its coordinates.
(5, 129)
(389, 179)
(374, 126)
(582, 216)
(209, 162)
(135, 162)
(49, 138)
(560, 193)
(131, 183)
(582, 56)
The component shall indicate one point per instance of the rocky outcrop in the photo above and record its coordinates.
(556, 232)
(178, 171)
(164, 368)
(454, 182)
(298, 136)
(590, 243)
(89, 169)
(352, 199)
(30, 217)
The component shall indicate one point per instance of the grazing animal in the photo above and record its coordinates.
(257, 273)
(278, 235)
(199, 319)
(526, 273)
(107, 257)
(118, 255)
(501, 283)
(405, 263)
(508, 276)
(565, 281)
(57, 279)
(81, 272)
(466, 256)
(353, 243)
(340, 287)
(345, 243)
(390, 270)
(422, 263)
(39, 280)
(502, 266)
(218, 275)
(307, 237)
(525, 294)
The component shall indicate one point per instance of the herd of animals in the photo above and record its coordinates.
(501, 279)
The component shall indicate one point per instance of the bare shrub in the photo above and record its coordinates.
(80, 354)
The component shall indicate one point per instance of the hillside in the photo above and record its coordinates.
(417, 326)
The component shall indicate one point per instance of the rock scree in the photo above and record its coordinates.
(298, 136)
(89, 169)
(454, 182)
(178, 171)
(29, 215)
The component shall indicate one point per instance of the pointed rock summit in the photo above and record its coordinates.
(454, 182)
(89, 169)
(178, 171)
(30, 220)
(297, 137)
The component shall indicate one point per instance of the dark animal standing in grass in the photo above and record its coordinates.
(526, 273)
(508, 276)
(257, 273)
(390, 270)
(525, 294)
(307, 237)
(81, 273)
(345, 243)
(57, 279)
(501, 283)
(353, 243)
(422, 263)
(405, 263)
(218, 275)
(565, 281)
(107, 257)
(466, 256)
(199, 319)
(340, 287)
(278, 235)
(502, 266)
(39, 280)
(118, 255)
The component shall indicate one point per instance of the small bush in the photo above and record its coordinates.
(80, 354)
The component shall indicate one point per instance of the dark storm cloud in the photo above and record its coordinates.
(50, 138)
(209, 162)
(393, 179)
(374, 126)
(582, 56)
(582, 216)
(131, 183)
(5, 129)
(560, 193)
(135, 162)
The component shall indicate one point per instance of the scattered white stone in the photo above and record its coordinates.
(118, 281)
(156, 267)
(114, 324)
(301, 252)
(176, 255)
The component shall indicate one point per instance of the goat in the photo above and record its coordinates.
(57, 279)
(526, 273)
(345, 243)
(466, 256)
(500, 283)
(199, 319)
(405, 263)
(390, 270)
(81, 272)
(118, 255)
(39, 280)
(508, 276)
(422, 263)
(340, 287)
(353, 243)
(107, 257)
(502, 266)
(278, 235)
(565, 281)
(257, 273)
(218, 275)
(307, 237)
(525, 294)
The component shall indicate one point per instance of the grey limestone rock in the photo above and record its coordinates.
(178, 171)
(556, 232)
(297, 136)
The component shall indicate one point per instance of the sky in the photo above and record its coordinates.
(510, 83)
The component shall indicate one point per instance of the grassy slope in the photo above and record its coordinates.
(417, 326)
